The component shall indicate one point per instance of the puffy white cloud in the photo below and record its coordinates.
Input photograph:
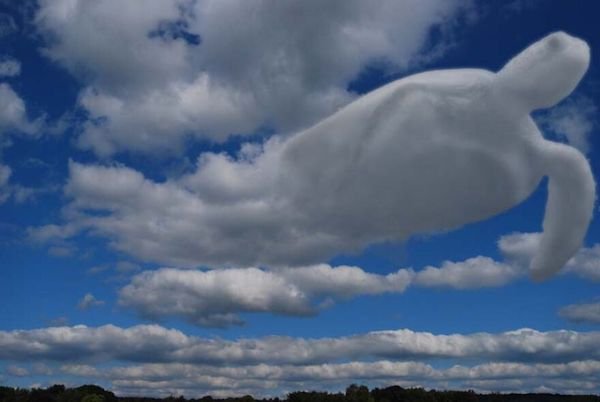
(345, 282)
(210, 69)
(9, 67)
(586, 312)
(476, 272)
(215, 298)
(153, 343)
(88, 301)
(586, 263)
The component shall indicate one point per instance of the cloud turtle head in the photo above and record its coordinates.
(546, 72)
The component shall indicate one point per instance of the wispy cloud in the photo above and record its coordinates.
(88, 301)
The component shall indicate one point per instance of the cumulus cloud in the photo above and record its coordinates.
(476, 272)
(586, 263)
(156, 344)
(12, 111)
(215, 298)
(204, 69)
(587, 312)
(88, 301)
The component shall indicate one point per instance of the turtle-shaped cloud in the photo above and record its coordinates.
(440, 149)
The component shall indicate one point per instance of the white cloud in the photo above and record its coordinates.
(12, 111)
(588, 312)
(473, 273)
(586, 263)
(153, 343)
(215, 298)
(88, 301)
(9, 67)
(346, 282)
(286, 66)
(13, 120)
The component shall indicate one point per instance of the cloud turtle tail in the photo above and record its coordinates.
(571, 197)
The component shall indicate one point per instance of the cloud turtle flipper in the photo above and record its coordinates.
(539, 77)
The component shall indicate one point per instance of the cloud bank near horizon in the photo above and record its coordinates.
(152, 358)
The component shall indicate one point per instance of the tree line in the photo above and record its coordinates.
(354, 393)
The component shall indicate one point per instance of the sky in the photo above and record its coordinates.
(188, 205)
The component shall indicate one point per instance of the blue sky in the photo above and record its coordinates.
(131, 138)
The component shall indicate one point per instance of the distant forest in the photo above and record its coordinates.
(354, 393)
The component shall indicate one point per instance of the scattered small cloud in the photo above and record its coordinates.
(88, 301)
(573, 120)
(8, 25)
(17, 371)
(96, 269)
(61, 251)
(126, 267)
(9, 67)
(41, 369)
